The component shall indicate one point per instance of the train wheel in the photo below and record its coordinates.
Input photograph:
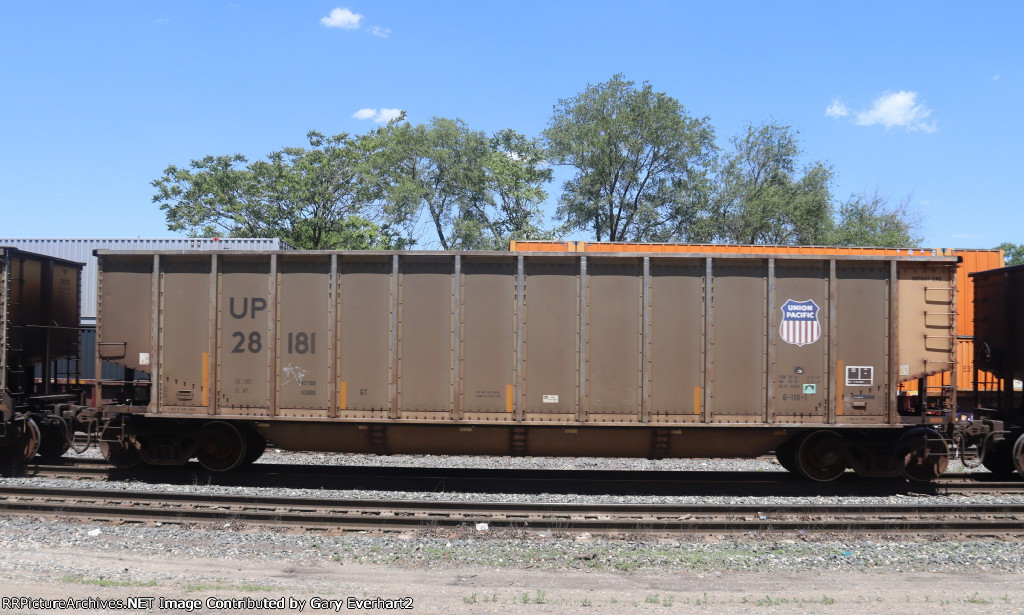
(55, 442)
(786, 454)
(255, 446)
(116, 451)
(821, 456)
(1018, 455)
(997, 458)
(221, 447)
(30, 441)
(926, 456)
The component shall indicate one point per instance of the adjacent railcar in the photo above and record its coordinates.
(659, 355)
(39, 318)
(998, 432)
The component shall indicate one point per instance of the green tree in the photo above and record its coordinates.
(869, 220)
(1012, 253)
(434, 170)
(316, 198)
(473, 192)
(516, 174)
(642, 163)
(762, 200)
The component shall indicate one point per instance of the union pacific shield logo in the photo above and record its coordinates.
(800, 322)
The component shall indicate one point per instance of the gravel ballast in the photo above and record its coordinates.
(239, 560)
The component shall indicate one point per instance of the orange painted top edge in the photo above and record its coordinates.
(985, 256)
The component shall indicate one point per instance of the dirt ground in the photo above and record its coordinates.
(277, 586)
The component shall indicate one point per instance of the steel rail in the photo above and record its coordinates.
(346, 514)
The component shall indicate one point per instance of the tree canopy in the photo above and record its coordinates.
(472, 191)
(1013, 254)
(643, 169)
(869, 220)
(641, 162)
(763, 200)
(316, 198)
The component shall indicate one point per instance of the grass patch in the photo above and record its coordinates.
(245, 587)
(106, 582)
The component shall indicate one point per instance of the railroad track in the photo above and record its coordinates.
(471, 480)
(616, 519)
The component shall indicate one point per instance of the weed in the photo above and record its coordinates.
(202, 587)
(769, 601)
(106, 582)
(976, 599)
(245, 587)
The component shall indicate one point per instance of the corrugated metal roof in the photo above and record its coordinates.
(80, 250)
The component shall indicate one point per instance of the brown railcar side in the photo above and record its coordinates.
(536, 354)
(39, 318)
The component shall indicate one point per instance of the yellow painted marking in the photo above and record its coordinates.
(840, 372)
(206, 379)
(342, 395)
(510, 393)
(696, 400)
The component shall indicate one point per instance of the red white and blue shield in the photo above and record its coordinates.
(800, 324)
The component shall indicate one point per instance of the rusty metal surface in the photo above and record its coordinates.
(961, 379)
(487, 340)
(999, 332)
(39, 318)
(677, 322)
(364, 337)
(425, 338)
(184, 337)
(493, 338)
(551, 339)
(860, 373)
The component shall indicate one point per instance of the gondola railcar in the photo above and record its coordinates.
(998, 429)
(553, 354)
(39, 324)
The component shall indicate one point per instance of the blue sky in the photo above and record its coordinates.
(907, 98)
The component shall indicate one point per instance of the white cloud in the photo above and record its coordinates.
(342, 18)
(837, 109)
(381, 32)
(897, 109)
(379, 116)
(386, 115)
